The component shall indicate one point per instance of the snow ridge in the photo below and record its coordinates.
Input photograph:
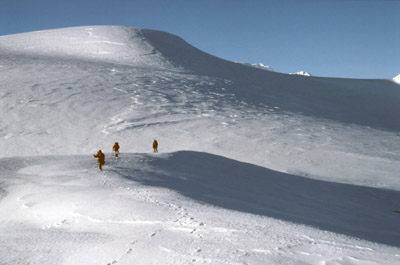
(122, 45)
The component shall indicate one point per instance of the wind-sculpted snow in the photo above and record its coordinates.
(372, 103)
(244, 187)
(51, 103)
(368, 102)
(120, 45)
(265, 153)
(186, 208)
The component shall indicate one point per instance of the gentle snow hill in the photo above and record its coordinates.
(187, 208)
(373, 103)
(278, 168)
(77, 90)
(247, 188)
(106, 44)
(368, 102)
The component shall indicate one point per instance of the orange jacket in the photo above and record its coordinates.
(100, 157)
(116, 147)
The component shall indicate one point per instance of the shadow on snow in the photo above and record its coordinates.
(366, 102)
(357, 211)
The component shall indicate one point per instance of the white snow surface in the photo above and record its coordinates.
(260, 66)
(304, 73)
(254, 167)
(397, 79)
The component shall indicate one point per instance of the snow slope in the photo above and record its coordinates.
(278, 168)
(106, 44)
(186, 208)
(366, 102)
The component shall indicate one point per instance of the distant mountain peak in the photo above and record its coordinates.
(259, 66)
(301, 73)
(397, 79)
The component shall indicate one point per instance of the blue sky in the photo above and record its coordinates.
(342, 38)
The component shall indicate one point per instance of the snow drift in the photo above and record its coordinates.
(108, 44)
(186, 208)
(368, 102)
(247, 188)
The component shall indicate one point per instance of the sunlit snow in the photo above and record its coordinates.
(301, 73)
(254, 167)
(397, 79)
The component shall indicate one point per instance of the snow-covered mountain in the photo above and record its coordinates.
(397, 79)
(301, 73)
(259, 66)
(268, 68)
(254, 167)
